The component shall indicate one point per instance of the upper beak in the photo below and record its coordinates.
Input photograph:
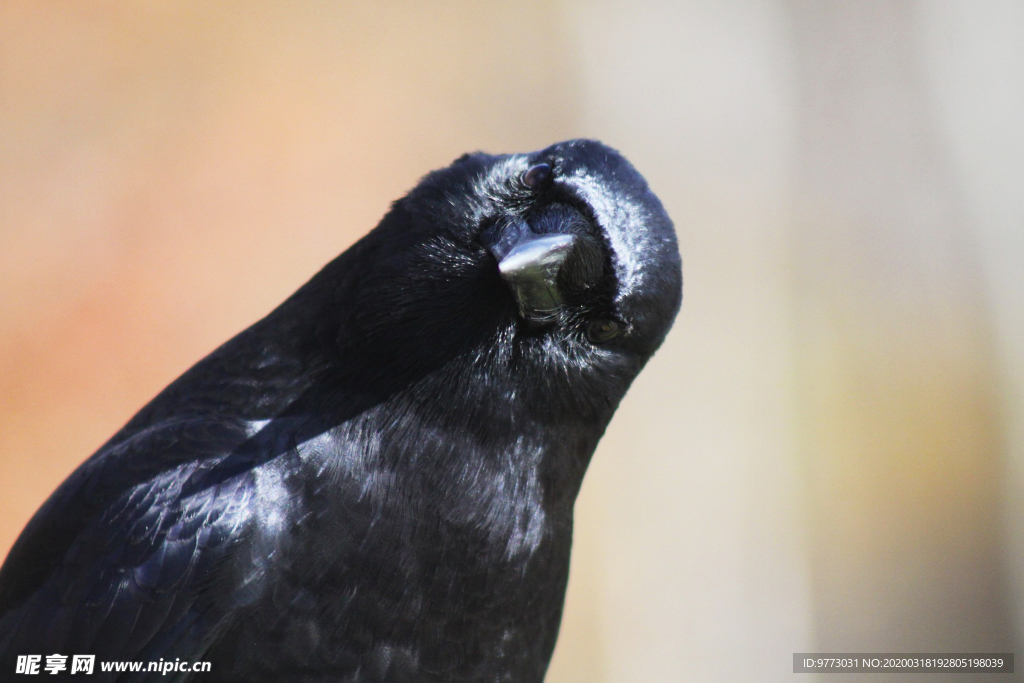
(531, 270)
(529, 264)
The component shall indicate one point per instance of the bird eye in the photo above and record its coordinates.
(603, 330)
(537, 176)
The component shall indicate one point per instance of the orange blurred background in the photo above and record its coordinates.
(828, 452)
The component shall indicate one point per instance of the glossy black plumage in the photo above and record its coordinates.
(376, 481)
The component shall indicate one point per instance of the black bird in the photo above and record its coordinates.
(376, 481)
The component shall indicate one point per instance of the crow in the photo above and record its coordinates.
(376, 481)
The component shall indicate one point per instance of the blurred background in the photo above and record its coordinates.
(828, 452)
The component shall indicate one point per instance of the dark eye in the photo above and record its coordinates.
(603, 330)
(537, 176)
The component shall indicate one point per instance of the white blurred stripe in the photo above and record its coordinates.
(973, 54)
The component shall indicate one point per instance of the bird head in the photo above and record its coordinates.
(563, 256)
(582, 246)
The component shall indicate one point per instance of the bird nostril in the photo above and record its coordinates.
(537, 176)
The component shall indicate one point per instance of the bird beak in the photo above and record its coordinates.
(529, 263)
(530, 269)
